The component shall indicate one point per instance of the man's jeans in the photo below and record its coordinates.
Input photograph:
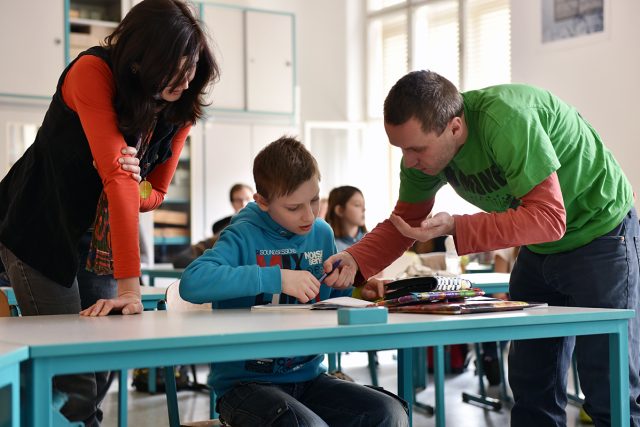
(603, 273)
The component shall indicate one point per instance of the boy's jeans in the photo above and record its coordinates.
(603, 273)
(338, 402)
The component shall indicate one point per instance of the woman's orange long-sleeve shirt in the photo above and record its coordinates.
(89, 90)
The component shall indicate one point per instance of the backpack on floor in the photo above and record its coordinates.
(141, 378)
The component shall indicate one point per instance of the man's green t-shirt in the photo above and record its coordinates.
(518, 136)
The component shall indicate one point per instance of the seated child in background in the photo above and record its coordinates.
(274, 249)
(345, 215)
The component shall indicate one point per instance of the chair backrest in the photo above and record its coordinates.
(176, 303)
(400, 265)
(5, 308)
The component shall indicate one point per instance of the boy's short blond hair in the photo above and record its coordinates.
(282, 166)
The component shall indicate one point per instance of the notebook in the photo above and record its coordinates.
(466, 307)
(402, 287)
(427, 297)
(328, 304)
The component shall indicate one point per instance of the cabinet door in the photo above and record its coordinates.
(226, 28)
(32, 48)
(270, 73)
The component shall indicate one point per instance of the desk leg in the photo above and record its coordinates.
(619, 374)
(438, 380)
(10, 376)
(405, 378)
(39, 404)
(122, 398)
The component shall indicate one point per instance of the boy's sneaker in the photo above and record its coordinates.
(584, 417)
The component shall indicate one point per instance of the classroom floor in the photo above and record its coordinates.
(151, 410)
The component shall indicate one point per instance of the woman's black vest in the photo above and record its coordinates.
(48, 198)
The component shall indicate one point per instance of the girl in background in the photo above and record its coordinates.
(345, 215)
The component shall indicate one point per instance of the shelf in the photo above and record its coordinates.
(177, 240)
(175, 201)
(92, 22)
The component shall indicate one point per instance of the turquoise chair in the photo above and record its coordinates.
(175, 303)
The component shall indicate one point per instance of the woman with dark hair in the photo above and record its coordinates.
(107, 150)
(345, 215)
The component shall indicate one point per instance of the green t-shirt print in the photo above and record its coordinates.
(518, 136)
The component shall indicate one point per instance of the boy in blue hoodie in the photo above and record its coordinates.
(274, 249)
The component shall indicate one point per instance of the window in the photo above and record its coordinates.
(466, 41)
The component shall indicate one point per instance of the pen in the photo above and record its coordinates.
(335, 265)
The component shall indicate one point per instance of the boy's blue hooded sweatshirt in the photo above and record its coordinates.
(243, 269)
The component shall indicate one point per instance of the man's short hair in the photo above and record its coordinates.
(282, 166)
(425, 95)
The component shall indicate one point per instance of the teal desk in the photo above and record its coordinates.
(491, 283)
(474, 267)
(69, 344)
(152, 298)
(153, 273)
(10, 357)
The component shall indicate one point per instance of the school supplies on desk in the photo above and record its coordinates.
(421, 284)
(328, 304)
(429, 297)
(466, 307)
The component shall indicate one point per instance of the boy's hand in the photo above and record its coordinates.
(372, 290)
(442, 224)
(343, 276)
(300, 284)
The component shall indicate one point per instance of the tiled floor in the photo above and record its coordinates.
(147, 410)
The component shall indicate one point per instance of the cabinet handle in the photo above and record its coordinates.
(287, 63)
(57, 40)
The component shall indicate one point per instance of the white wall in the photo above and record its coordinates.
(597, 74)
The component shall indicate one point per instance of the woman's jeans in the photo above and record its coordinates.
(603, 273)
(38, 295)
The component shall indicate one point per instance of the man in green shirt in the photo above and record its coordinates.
(547, 183)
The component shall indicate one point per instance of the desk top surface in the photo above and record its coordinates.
(63, 334)
(12, 353)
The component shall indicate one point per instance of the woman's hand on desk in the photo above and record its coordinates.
(127, 302)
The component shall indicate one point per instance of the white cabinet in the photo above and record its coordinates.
(32, 47)
(39, 37)
(269, 62)
(255, 50)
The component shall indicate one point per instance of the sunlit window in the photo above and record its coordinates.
(466, 41)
